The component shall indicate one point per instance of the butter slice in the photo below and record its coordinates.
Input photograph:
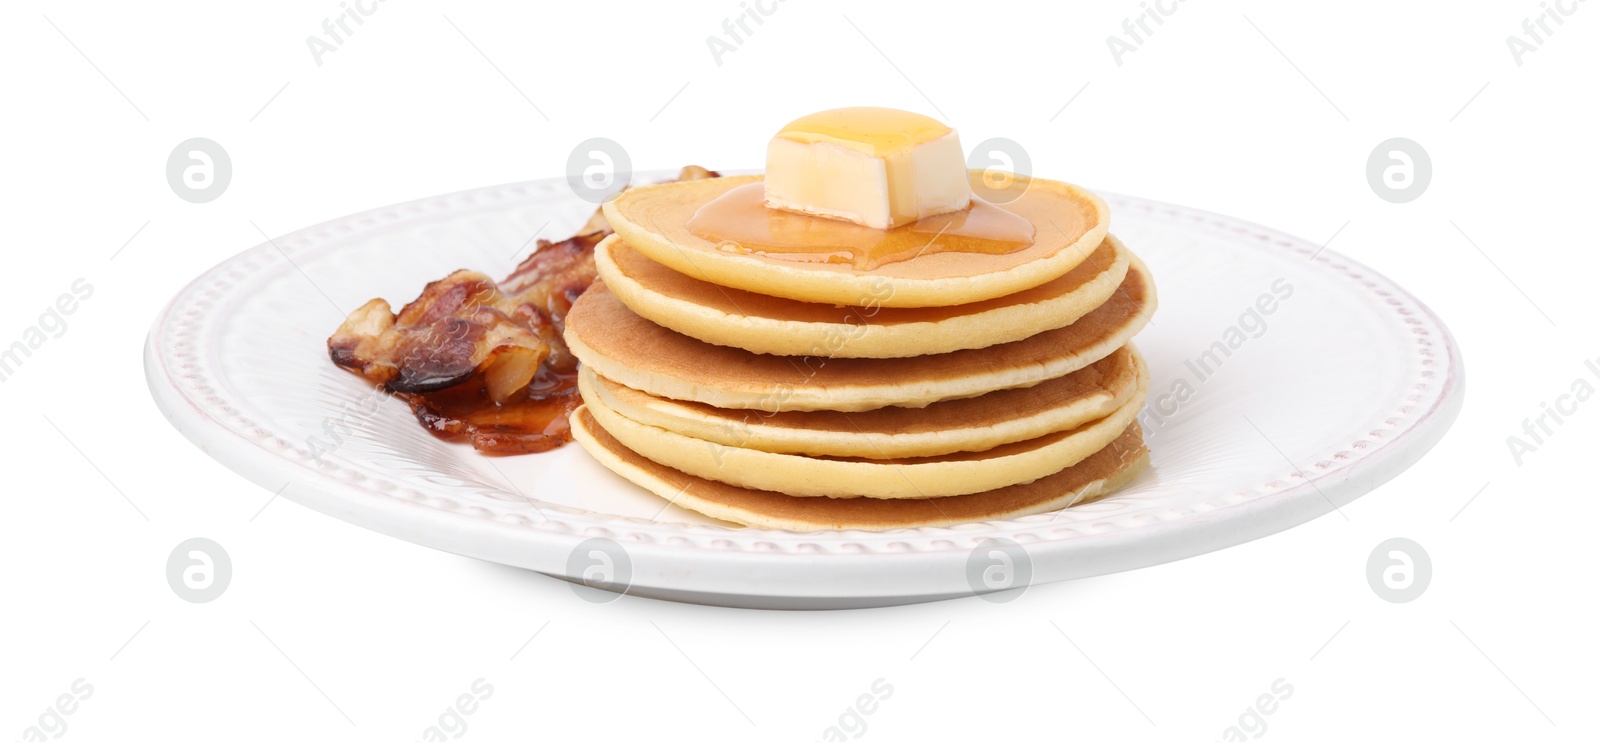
(877, 167)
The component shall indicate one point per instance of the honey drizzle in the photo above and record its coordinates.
(740, 222)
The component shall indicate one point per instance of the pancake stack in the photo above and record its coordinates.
(778, 391)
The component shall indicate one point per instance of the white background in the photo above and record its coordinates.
(330, 631)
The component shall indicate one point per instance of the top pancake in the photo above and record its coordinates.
(635, 352)
(1069, 223)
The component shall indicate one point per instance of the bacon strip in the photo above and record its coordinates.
(480, 359)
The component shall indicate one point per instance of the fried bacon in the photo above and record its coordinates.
(480, 359)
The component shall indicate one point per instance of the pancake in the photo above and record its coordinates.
(765, 324)
(1068, 222)
(961, 473)
(972, 424)
(1090, 479)
(635, 352)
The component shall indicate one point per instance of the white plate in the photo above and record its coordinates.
(1345, 383)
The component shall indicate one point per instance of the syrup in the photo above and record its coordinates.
(740, 222)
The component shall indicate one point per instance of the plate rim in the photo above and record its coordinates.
(784, 562)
